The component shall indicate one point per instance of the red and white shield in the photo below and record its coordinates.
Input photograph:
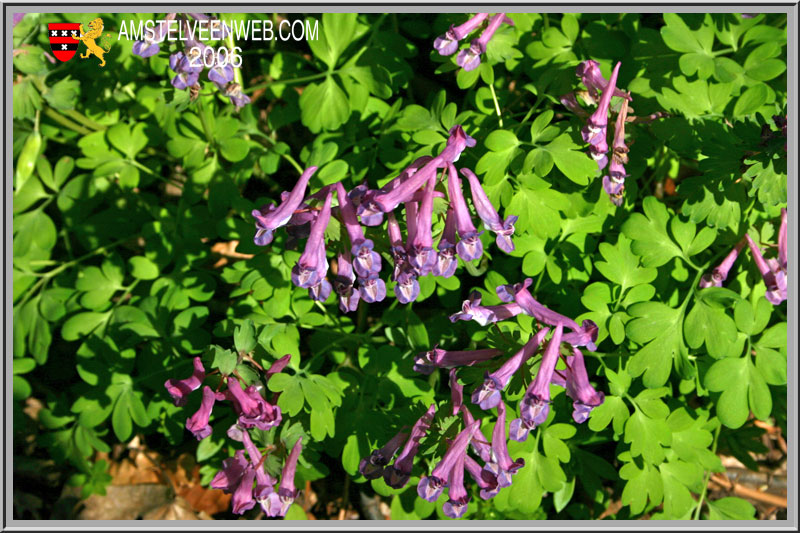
(64, 39)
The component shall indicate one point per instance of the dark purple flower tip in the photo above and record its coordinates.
(456, 508)
(370, 470)
(263, 236)
(508, 293)
(348, 301)
(305, 277)
(504, 242)
(407, 287)
(423, 364)
(277, 504)
(422, 258)
(470, 58)
(534, 410)
(277, 366)
(372, 289)
(446, 44)
(243, 495)
(234, 92)
(430, 488)
(470, 247)
(395, 478)
(585, 336)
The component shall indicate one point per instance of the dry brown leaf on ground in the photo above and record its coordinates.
(125, 502)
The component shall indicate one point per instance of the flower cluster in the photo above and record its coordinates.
(246, 467)
(188, 64)
(470, 58)
(595, 132)
(773, 270)
(357, 267)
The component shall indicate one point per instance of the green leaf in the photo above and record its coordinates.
(643, 484)
(143, 268)
(660, 326)
(622, 266)
(244, 337)
(710, 324)
(647, 436)
(649, 234)
(81, 325)
(225, 361)
(324, 106)
(750, 100)
(612, 408)
(731, 508)
(570, 159)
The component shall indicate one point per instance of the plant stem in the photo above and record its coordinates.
(708, 476)
(83, 119)
(287, 82)
(496, 105)
(64, 121)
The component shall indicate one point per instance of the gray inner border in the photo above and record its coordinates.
(790, 524)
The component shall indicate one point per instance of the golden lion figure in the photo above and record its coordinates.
(88, 38)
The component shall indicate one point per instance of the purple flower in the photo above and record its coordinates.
(264, 482)
(486, 211)
(231, 474)
(396, 242)
(457, 497)
(446, 261)
(397, 475)
(487, 482)
(502, 467)
(180, 389)
(277, 366)
(470, 58)
(237, 97)
(372, 467)
(321, 291)
(447, 44)
(425, 362)
(594, 132)
(253, 410)
(370, 212)
(430, 487)
(535, 405)
(720, 274)
(343, 283)
(372, 288)
(488, 394)
(772, 271)
(478, 443)
(269, 218)
(312, 266)
(187, 75)
(614, 182)
(591, 77)
(150, 45)
(570, 102)
(221, 75)
(456, 392)
(406, 287)
(473, 310)
(579, 389)
(420, 251)
(366, 261)
(470, 246)
(278, 502)
(198, 422)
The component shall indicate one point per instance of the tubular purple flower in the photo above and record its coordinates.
(253, 410)
(269, 218)
(614, 181)
(486, 481)
(720, 273)
(198, 422)
(425, 362)
(243, 495)
(470, 246)
(457, 142)
(591, 77)
(397, 475)
(264, 482)
(470, 58)
(456, 392)
(447, 44)
(231, 474)
(221, 75)
(535, 405)
(150, 46)
(186, 74)
(501, 466)
(372, 467)
(237, 97)
(343, 284)
(277, 366)
(782, 237)
(774, 277)
(368, 210)
(278, 502)
(406, 288)
(180, 389)
(488, 394)
(446, 261)
(579, 389)
(594, 132)
(504, 229)
(321, 291)
(457, 497)
(430, 487)
(366, 261)
(421, 254)
(479, 444)
(571, 102)
(473, 310)
(306, 273)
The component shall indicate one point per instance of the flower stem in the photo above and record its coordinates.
(496, 105)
